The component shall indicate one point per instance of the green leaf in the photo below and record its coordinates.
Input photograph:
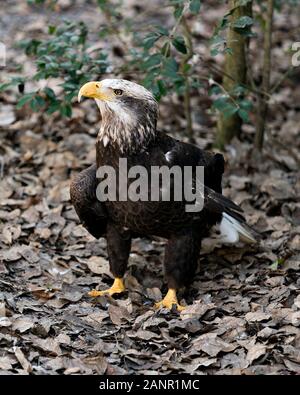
(277, 263)
(150, 40)
(225, 107)
(218, 40)
(51, 29)
(163, 31)
(179, 44)
(148, 80)
(161, 88)
(196, 83)
(186, 68)
(155, 91)
(70, 86)
(214, 90)
(50, 93)
(217, 45)
(214, 52)
(229, 111)
(66, 110)
(221, 103)
(54, 106)
(37, 103)
(178, 11)
(229, 51)
(71, 95)
(5, 86)
(24, 99)
(170, 68)
(195, 6)
(246, 105)
(243, 114)
(102, 3)
(152, 61)
(238, 90)
(243, 22)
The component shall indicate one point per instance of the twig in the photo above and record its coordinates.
(213, 82)
(175, 27)
(246, 86)
(280, 81)
(185, 60)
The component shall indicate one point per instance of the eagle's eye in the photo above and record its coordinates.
(118, 92)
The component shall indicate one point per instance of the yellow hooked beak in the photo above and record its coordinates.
(93, 90)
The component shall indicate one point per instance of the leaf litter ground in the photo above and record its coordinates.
(244, 305)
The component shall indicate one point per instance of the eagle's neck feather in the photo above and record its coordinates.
(129, 131)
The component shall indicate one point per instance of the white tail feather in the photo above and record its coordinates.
(232, 231)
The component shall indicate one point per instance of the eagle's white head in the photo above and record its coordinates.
(129, 113)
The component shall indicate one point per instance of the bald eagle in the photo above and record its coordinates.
(128, 130)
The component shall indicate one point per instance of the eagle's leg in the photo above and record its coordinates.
(169, 300)
(118, 249)
(181, 257)
(117, 287)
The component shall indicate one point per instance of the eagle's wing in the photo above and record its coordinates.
(232, 222)
(90, 210)
(183, 154)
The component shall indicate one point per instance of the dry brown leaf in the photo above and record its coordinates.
(22, 359)
(5, 322)
(211, 344)
(256, 351)
(22, 324)
(257, 316)
(196, 310)
(48, 345)
(118, 315)
(99, 265)
(96, 318)
(7, 115)
(5, 363)
(41, 292)
(145, 335)
(2, 309)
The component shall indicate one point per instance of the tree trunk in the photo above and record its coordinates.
(236, 68)
(262, 109)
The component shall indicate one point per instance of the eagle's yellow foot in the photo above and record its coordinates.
(169, 300)
(117, 288)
